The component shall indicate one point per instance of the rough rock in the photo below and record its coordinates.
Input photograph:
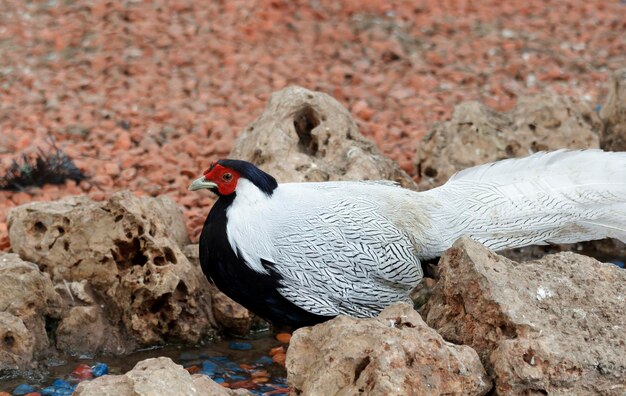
(476, 135)
(393, 354)
(155, 377)
(27, 301)
(554, 325)
(108, 385)
(128, 251)
(229, 315)
(17, 344)
(305, 135)
(613, 114)
(85, 329)
(604, 250)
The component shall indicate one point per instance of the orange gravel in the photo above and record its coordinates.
(283, 337)
(143, 95)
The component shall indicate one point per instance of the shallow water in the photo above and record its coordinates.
(184, 355)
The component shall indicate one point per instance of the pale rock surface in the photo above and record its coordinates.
(613, 114)
(17, 344)
(84, 329)
(551, 326)
(108, 385)
(304, 135)
(27, 300)
(123, 256)
(155, 377)
(393, 354)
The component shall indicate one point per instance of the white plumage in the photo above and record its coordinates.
(355, 247)
(558, 197)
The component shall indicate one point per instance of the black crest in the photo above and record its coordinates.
(262, 180)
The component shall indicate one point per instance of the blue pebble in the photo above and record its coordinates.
(264, 360)
(219, 380)
(618, 263)
(49, 391)
(64, 392)
(232, 366)
(61, 384)
(218, 359)
(54, 391)
(23, 389)
(100, 369)
(208, 368)
(237, 377)
(240, 346)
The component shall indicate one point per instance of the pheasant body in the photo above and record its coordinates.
(300, 253)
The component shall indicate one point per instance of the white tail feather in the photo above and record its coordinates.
(557, 197)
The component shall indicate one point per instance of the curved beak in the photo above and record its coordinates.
(201, 183)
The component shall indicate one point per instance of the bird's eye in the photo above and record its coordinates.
(227, 177)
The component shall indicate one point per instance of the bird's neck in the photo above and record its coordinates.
(248, 194)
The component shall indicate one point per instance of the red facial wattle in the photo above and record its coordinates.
(225, 178)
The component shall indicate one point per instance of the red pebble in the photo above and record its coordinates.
(82, 372)
(193, 369)
(283, 337)
(276, 350)
(259, 373)
(245, 384)
(33, 394)
(280, 358)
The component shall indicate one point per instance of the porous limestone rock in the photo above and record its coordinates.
(128, 251)
(155, 377)
(393, 354)
(84, 329)
(304, 135)
(613, 114)
(27, 301)
(477, 135)
(17, 344)
(551, 326)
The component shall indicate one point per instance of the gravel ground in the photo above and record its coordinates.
(143, 95)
